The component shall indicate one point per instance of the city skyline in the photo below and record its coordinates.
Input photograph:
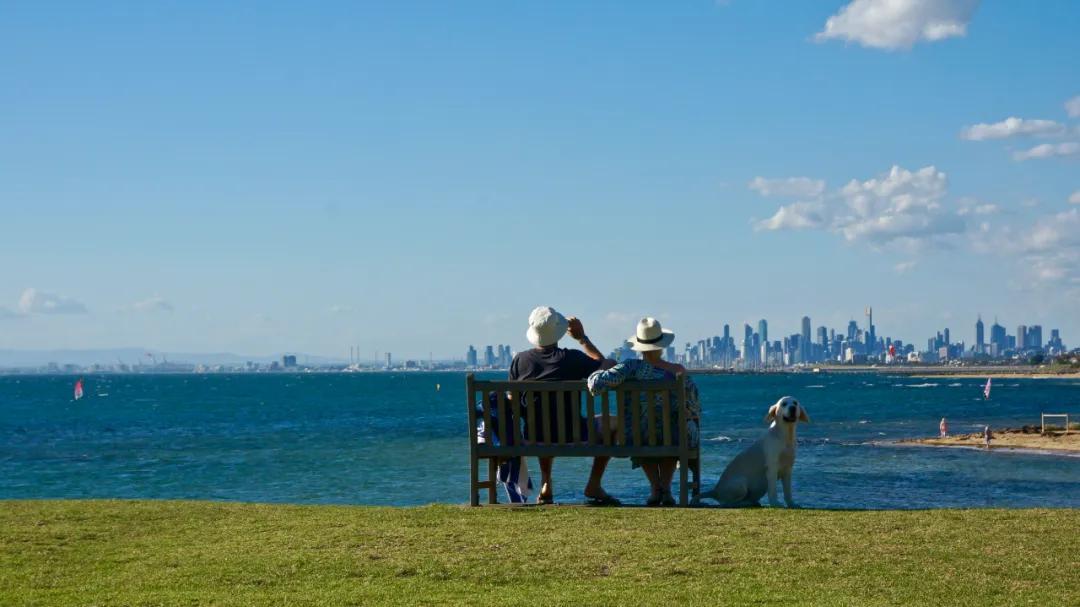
(308, 178)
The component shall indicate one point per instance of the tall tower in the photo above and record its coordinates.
(763, 330)
(980, 343)
(871, 333)
(804, 341)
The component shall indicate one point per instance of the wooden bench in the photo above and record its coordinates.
(513, 416)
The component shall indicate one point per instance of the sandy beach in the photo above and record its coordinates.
(1008, 438)
(950, 375)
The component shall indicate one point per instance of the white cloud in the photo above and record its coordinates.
(974, 207)
(151, 304)
(899, 206)
(33, 301)
(797, 216)
(904, 267)
(341, 309)
(794, 187)
(1048, 150)
(1072, 107)
(1075, 198)
(899, 24)
(1051, 248)
(1012, 127)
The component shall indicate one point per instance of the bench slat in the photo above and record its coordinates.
(487, 416)
(576, 413)
(667, 417)
(590, 411)
(620, 418)
(650, 417)
(515, 416)
(545, 416)
(560, 415)
(504, 421)
(634, 399)
(530, 404)
(605, 409)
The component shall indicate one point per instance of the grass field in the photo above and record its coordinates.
(210, 553)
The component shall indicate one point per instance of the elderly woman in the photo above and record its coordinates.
(650, 340)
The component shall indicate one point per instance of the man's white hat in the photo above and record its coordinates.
(650, 336)
(546, 327)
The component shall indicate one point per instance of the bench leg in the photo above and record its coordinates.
(474, 480)
(695, 470)
(493, 473)
(683, 485)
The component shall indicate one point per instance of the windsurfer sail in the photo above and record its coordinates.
(986, 390)
(78, 389)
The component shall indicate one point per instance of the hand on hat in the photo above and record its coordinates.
(575, 328)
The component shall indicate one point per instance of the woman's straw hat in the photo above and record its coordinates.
(650, 336)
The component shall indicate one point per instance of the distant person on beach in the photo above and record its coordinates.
(546, 361)
(987, 436)
(943, 428)
(650, 339)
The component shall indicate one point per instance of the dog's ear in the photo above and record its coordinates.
(771, 415)
(803, 417)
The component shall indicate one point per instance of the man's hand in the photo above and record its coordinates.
(576, 330)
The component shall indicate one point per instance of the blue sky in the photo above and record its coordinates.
(415, 177)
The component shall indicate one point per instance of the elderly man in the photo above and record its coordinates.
(546, 361)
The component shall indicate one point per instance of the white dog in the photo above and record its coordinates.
(753, 473)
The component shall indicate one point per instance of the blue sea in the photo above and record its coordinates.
(397, 439)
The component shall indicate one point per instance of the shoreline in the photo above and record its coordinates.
(1027, 439)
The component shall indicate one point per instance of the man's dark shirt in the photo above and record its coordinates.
(555, 364)
(552, 364)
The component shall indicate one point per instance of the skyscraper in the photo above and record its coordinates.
(871, 335)
(998, 341)
(1021, 338)
(980, 343)
(763, 330)
(1034, 337)
(804, 341)
(470, 357)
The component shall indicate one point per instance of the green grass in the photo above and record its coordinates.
(209, 553)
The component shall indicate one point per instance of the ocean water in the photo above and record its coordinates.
(394, 439)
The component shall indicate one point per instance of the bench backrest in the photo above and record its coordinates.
(531, 425)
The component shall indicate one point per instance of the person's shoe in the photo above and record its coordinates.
(666, 499)
(604, 499)
(653, 501)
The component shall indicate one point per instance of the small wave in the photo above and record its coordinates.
(816, 386)
(928, 385)
(868, 385)
(720, 439)
(864, 421)
(103, 394)
(955, 385)
(881, 434)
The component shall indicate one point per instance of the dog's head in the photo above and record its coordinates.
(787, 410)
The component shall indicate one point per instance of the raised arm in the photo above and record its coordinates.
(577, 331)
